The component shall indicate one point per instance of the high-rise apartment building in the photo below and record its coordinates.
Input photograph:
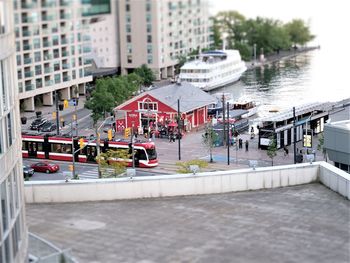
(156, 32)
(103, 31)
(52, 50)
(13, 231)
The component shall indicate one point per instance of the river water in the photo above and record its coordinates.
(306, 78)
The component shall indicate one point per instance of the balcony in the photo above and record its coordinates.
(27, 47)
(29, 87)
(49, 82)
(65, 3)
(25, 5)
(48, 70)
(64, 41)
(26, 33)
(65, 66)
(27, 60)
(87, 61)
(48, 17)
(47, 4)
(38, 72)
(47, 57)
(86, 38)
(47, 43)
(65, 16)
(66, 78)
(65, 53)
(28, 74)
(86, 49)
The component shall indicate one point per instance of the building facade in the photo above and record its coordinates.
(104, 36)
(159, 108)
(337, 143)
(52, 48)
(157, 32)
(13, 231)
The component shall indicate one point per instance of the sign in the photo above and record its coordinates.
(307, 138)
(264, 141)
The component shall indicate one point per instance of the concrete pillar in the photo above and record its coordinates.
(157, 74)
(65, 93)
(124, 71)
(171, 71)
(48, 99)
(82, 89)
(29, 104)
(164, 73)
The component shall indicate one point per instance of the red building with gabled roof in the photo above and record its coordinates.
(160, 106)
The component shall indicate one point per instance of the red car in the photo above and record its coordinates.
(45, 167)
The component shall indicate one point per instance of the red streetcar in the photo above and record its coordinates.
(60, 148)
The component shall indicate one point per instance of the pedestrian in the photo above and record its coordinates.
(240, 143)
(246, 145)
(285, 151)
(171, 136)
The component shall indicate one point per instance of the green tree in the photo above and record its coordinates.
(115, 159)
(146, 75)
(100, 102)
(272, 149)
(298, 32)
(208, 139)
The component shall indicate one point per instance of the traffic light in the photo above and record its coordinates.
(54, 116)
(70, 167)
(65, 104)
(127, 132)
(74, 117)
(110, 136)
(81, 143)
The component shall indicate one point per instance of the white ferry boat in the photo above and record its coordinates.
(213, 69)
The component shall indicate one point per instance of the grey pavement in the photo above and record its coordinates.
(308, 223)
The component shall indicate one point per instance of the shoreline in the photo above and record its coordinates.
(278, 57)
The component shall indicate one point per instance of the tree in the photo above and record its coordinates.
(272, 148)
(100, 102)
(298, 32)
(208, 139)
(115, 159)
(146, 75)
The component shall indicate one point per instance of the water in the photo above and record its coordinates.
(308, 77)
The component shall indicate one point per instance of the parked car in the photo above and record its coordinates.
(37, 123)
(45, 167)
(48, 127)
(27, 171)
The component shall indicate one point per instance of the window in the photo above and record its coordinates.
(149, 39)
(128, 38)
(128, 28)
(61, 148)
(129, 58)
(4, 206)
(38, 70)
(149, 28)
(9, 129)
(149, 59)
(127, 8)
(149, 49)
(148, 7)
(148, 18)
(37, 56)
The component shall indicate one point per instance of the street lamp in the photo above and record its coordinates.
(254, 53)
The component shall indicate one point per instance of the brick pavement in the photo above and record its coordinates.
(306, 223)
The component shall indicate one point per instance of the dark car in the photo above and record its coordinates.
(45, 167)
(27, 171)
(48, 127)
(37, 123)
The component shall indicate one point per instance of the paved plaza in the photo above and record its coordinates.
(306, 223)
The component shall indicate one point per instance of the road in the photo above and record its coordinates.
(84, 170)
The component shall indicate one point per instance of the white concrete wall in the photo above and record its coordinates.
(170, 185)
(335, 179)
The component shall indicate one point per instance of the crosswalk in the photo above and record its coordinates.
(93, 174)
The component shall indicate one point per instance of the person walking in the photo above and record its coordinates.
(240, 143)
(246, 145)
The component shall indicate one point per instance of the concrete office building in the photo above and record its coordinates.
(13, 230)
(157, 32)
(51, 47)
(337, 143)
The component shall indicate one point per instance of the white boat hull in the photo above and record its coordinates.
(251, 112)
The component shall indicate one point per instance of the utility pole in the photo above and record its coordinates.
(228, 134)
(179, 127)
(132, 146)
(223, 119)
(295, 137)
(57, 114)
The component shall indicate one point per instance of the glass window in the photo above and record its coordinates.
(2, 18)
(61, 148)
(37, 56)
(128, 38)
(149, 39)
(4, 206)
(9, 129)
(127, 8)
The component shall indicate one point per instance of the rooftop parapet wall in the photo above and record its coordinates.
(174, 185)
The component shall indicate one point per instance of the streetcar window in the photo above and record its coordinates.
(141, 154)
(152, 154)
(24, 146)
(40, 146)
(61, 148)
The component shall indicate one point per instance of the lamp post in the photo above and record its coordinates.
(254, 53)
(57, 114)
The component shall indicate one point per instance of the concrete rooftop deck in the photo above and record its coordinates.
(307, 223)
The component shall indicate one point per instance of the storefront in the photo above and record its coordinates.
(157, 109)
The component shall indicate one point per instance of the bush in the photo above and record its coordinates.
(184, 167)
